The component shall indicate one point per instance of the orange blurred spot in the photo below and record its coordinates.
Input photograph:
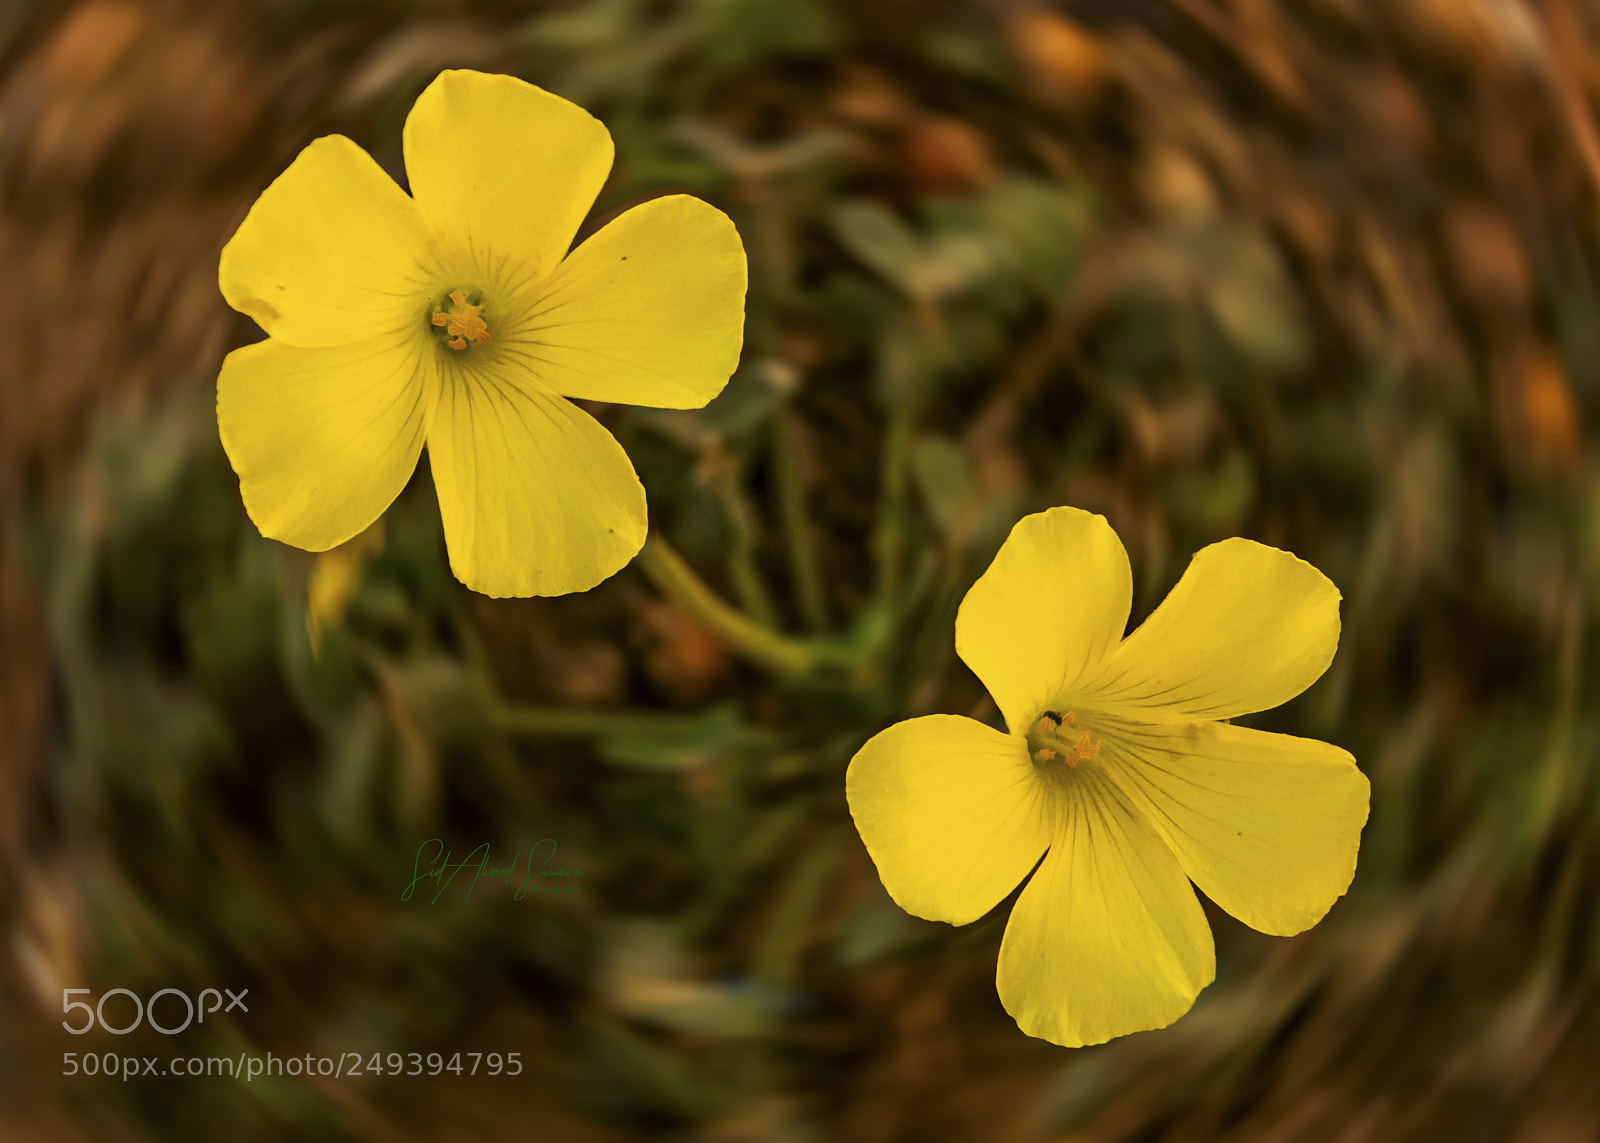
(681, 657)
(868, 97)
(1065, 63)
(1548, 413)
(947, 154)
(1488, 256)
(92, 40)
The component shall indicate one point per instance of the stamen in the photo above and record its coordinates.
(1082, 750)
(1049, 741)
(462, 322)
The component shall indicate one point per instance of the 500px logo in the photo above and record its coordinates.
(95, 1014)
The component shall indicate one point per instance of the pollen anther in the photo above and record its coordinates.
(1049, 741)
(1083, 749)
(462, 323)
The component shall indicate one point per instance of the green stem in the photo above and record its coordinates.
(888, 537)
(790, 926)
(678, 582)
(792, 505)
(747, 582)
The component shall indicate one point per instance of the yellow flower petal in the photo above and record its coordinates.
(328, 255)
(951, 813)
(1246, 628)
(1051, 606)
(323, 440)
(1266, 824)
(537, 498)
(1108, 937)
(648, 311)
(497, 165)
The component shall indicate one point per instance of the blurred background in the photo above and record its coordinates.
(1325, 273)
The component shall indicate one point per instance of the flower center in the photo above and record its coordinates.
(461, 323)
(1055, 740)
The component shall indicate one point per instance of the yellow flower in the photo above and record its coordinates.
(1121, 772)
(455, 316)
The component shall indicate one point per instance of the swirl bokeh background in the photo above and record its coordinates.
(1322, 273)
